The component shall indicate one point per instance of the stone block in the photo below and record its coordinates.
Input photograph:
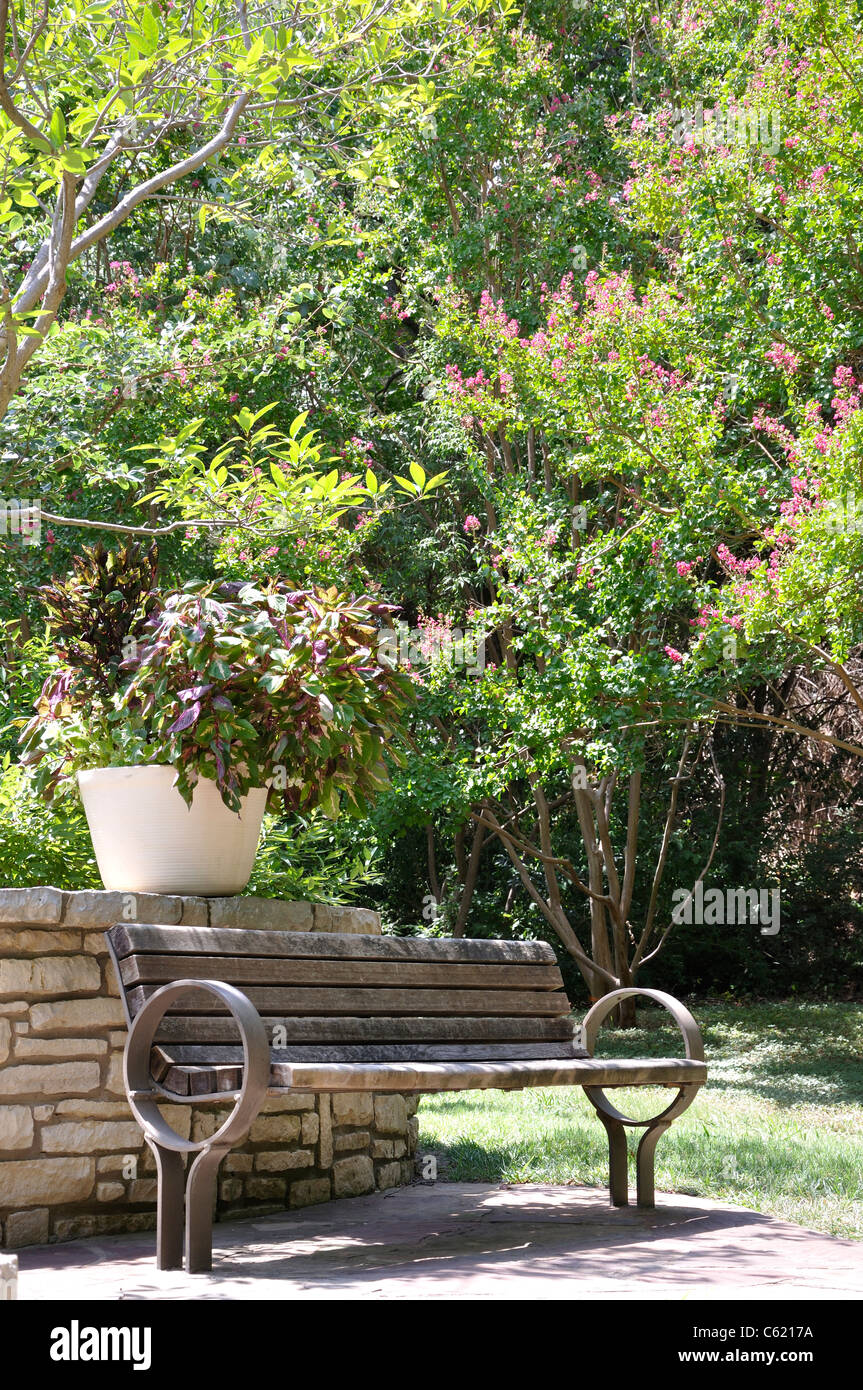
(281, 1160)
(194, 912)
(231, 1189)
(325, 1145)
(307, 1191)
(355, 921)
(114, 1081)
(237, 1163)
(206, 1122)
(390, 1114)
(62, 975)
(356, 1139)
(47, 1182)
(276, 1129)
(179, 1117)
(49, 1049)
(27, 1228)
(110, 1191)
(389, 1175)
(98, 908)
(116, 1163)
(265, 1187)
(16, 1131)
(311, 1128)
(18, 941)
(280, 1105)
(382, 1148)
(354, 1108)
(93, 1110)
(353, 1176)
(14, 1008)
(90, 1136)
(31, 905)
(143, 1190)
(5, 1039)
(52, 1079)
(264, 914)
(76, 1016)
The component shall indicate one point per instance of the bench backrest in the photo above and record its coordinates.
(334, 998)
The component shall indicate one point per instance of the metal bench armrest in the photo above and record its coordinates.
(594, 1018)
(136, 1067)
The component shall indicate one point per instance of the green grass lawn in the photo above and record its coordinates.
(778, 1127)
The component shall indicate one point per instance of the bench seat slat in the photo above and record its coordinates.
(268, 970)
(178, 1028)
(406, 1077)
(128, 938)
(450, 1002)
(461, 1076)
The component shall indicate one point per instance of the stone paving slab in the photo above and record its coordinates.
(475, 1241)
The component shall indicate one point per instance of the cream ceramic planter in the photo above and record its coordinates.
(147, 840)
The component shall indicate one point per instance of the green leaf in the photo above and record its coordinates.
(149, 31)
(58, 127)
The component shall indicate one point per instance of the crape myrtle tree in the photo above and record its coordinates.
(518, 180)
(755, 209)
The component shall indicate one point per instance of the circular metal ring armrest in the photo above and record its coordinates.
(256, 1066)
(692, 1042)
(596, 1016)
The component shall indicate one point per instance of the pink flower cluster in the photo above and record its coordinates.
(782, 357)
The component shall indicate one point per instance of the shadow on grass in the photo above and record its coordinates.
(791, 1059)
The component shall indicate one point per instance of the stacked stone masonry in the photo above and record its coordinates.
(72, 1159)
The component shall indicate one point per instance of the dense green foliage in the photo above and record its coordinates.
(562, 357)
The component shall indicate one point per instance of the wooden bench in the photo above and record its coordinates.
(325, 1013)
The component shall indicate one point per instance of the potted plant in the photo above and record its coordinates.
(181, 715)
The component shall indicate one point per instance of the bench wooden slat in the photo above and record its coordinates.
(372, 1001)
(202, 1054)
(180, 1028)
(407, 1077)
(268, 970)
(458, 1076)
(130, 938)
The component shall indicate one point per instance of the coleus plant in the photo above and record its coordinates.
(243, 686)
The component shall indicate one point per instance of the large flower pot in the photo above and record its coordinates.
(147, 840)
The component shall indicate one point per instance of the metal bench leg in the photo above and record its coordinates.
(170, 1177)
(645, 1163)
(200, 1201)
(618, 1156)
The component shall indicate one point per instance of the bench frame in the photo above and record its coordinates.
(196, 1194)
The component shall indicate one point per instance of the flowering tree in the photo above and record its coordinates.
(755, 210)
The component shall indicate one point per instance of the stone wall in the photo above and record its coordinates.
(72, 1159)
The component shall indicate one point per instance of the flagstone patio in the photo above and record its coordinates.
(475, 1241)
